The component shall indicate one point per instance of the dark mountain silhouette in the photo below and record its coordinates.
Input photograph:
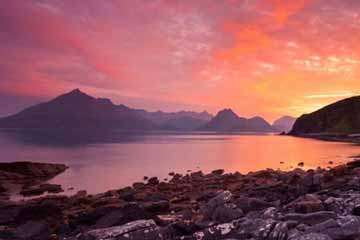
(179, 121)
(227, 120)
(284, 124)
(77, 110)
(339, 117)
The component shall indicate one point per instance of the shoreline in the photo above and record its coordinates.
(267, 204)
(345, 138)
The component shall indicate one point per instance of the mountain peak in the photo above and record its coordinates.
(74, 96)
(226, 111)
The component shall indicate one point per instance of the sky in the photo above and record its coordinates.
(258, 57)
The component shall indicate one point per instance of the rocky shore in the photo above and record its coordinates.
(298, 205)
(28, 178)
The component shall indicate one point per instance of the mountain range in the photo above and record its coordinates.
(228, 121)
(78, 110)
(284, 124)
(342, 117)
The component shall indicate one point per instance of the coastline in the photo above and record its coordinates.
(267, 204)
(346, 138)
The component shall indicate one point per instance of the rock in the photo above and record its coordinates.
(33, 169)
(312, 236)
(226, 213)
(41, 189)
(153, 181)
(356, 210)
(219, 200)
(311, 218)
(252, 204)
(32, 230)
(140, 229)
(157, 207)
(218, 172)
(2, 189)
(47, 211)
(113, 217)
(306, 204)
(353, 164)
(346, 227)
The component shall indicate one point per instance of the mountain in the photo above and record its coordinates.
(77, 110)
(339, 117)
(179, 121)
(226, 120)
(284, 124)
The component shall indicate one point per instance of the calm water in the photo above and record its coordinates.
(98, 167)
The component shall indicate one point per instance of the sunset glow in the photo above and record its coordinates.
(259, 57)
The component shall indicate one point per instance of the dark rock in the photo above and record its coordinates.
(300, 164)
(41, 189)
(346, 227)
(218, 172)
(226, 213)
(114, 217)
(33, 169)
(356, 210)
(153, 181)
(311, 218)
(354, 164)
(140, 229)
(157, 207)
(32, 230)
(312, 236)
(252, 204)
(220, 200)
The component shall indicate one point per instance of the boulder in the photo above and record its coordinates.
(311, 218)
(140, 229)
(252, 204)
(32, 230)
(41, 189)
(312, 236)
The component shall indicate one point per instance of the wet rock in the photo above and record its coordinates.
(220, 200)
(346, 227)
(311, 218)
(306, 204)
(113, 217)
(33, 169)
(356, 210)
(226, 213)
(218, 172)
(252, 204)
(41, 189)
(140, 229)
(353, 164)
(32, 230)
(157, 207)
(312, 236)
(153, 181)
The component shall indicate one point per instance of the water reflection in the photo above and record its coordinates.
(99, 164)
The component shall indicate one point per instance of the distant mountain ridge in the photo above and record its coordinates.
(228, 121)
(284, 124)
(341, 117)
(178, 121)
(78, 110)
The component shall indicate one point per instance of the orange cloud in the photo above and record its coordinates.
(248, 39)
(282, 10)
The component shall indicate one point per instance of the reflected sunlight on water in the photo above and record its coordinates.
(98, 167)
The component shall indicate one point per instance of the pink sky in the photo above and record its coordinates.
(259, 57)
